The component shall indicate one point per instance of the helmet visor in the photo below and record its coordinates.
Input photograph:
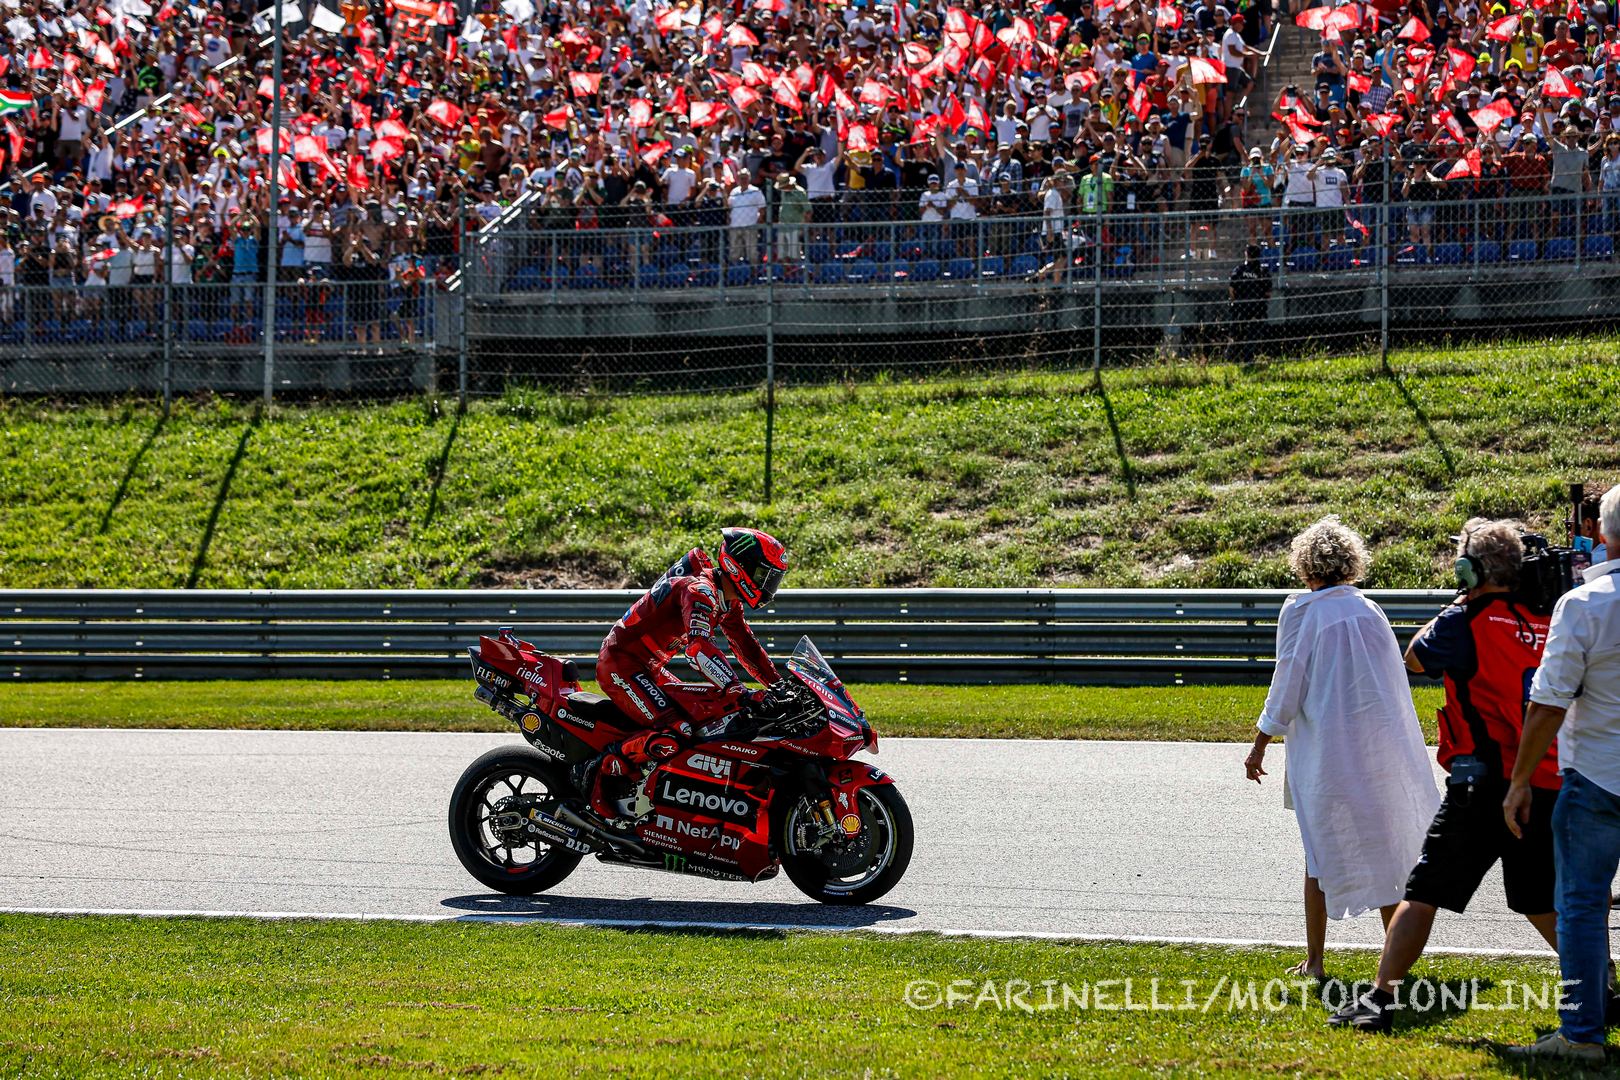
(770, 579)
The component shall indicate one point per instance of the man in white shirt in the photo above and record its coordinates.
(1331, 183)
(1581, 661)
(747, 206)
(933, 203)
(679, 180)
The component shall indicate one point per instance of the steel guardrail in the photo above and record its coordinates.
(1105, 636)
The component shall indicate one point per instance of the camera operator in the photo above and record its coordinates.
(1484, 646)
(1582, 661)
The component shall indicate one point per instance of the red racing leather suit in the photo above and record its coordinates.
(679, 614)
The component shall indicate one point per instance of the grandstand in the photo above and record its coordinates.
(644, 149)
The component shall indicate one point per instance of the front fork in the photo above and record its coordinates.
(834, 792)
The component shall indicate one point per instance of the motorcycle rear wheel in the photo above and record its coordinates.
(885, 851)
(505, 773)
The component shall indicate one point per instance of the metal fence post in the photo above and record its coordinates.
(271, 210)
(1096, 285)
(168, 304)
(1383, 275)
(770, 346)
(464, 300)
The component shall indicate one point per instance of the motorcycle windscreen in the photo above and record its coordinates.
(809, 665)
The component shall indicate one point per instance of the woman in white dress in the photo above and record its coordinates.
(1357, 775)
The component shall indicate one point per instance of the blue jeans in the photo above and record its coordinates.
(1586, 844)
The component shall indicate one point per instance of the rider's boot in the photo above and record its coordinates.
(602, 779)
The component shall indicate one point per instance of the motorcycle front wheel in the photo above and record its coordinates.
(496, 791)
(853, 871)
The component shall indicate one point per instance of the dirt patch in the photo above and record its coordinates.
(567, 573)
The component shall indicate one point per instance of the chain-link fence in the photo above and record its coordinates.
(691, 306)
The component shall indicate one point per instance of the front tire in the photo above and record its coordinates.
(860, 870)
(509, 863)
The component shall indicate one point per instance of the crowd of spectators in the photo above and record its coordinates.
(408, 122)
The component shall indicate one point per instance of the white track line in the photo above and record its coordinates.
(749, 927)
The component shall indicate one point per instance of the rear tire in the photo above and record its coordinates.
(502, 773)
(887, 827)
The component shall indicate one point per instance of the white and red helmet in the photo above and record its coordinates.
(754, 561)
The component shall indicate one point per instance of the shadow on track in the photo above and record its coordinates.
(695, 915)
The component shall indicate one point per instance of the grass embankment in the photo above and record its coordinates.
(1187, 713)
(1166, 476)
(171, 998)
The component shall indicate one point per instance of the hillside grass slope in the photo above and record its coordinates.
(1182, 476)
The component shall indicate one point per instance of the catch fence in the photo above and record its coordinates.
(673, 303)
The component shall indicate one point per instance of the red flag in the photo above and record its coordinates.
(976, 117)
(445, 112)
(1206, 71)
(705, 113)
(1555, 84)
(358, 178)
(193, 114)
(1453, 126)
(557, 119)
(916, 53)
(15, 135)
(1359, 83)
(391, 128)
(786, 94)
(361, 114)
(1383, 123)
(862, 137)
(1492, 116)
(668, 20)
(652, 152)
(1141, 104)
(1462, 63)
(262, 139)
(952, 113)
(40, 60)
(875, 93)
(5, 65)
(1467, 165)
(307, 148)
(583, 83)
(384, 149)
(1503, 29)
(1414, 30)
(744, 97)
(267, 88)
(641, 113)
(1167, 17)
(738, 35)
(983, 73)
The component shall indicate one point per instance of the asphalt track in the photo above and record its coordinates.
(1161, 841)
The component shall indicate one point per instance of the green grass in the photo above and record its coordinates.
(173, 998)
(1185, 476)
(1187, 713)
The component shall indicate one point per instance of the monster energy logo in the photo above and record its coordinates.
(674, 862)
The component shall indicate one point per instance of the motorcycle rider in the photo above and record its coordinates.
(680, 614)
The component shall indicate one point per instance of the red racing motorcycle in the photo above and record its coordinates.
(770, 787)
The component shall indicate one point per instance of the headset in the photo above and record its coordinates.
(1469, 570)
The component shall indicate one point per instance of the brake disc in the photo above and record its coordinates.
(846, 857)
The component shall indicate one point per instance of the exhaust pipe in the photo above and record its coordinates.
(612, 840)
